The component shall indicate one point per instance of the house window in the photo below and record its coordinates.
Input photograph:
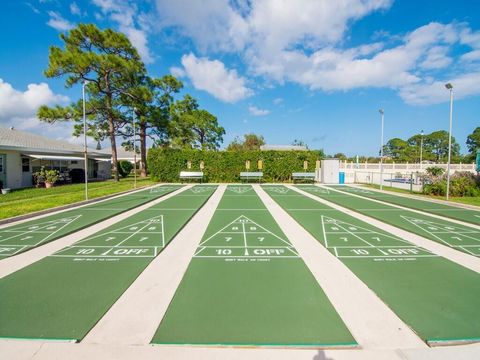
(25, 164)
(74, 162)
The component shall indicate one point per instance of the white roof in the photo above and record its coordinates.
(283, 147)
(17, 140)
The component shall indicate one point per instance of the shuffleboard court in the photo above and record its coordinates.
(64, 295)
(437, 298)
(247, 286)
(22, 237)
(454, 212)
(456, 236)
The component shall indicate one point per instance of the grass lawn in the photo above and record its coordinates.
(25, 201)
(469, 200)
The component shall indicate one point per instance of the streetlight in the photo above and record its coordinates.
(421, 149)
(134, 151)
(449, 87)
(85, 140)
(381, 111)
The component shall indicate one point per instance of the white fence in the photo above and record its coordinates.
(400, 180)
(392, 167)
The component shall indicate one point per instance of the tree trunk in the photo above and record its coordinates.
(111, 133)
(143, 150)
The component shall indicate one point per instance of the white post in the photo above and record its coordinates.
(134, 153)
(381, 153)
(421, 150)
(85, 140)
(449, 87)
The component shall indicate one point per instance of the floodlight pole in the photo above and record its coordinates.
(134, 152)
(85, 140)
(421, 149)
(381, 111)
(450, 88)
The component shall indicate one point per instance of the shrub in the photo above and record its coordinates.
(124, 168)
(225, 166)
(461, 184)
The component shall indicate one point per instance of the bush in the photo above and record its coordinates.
(124, 168)
(461, 184)
(225, 166)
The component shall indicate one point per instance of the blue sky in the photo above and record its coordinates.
(314, 70)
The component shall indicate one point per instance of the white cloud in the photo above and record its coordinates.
(74, 9)
(18, 108)
(303, 42)
(57, 22)
(177, 71)
(434, 92)
(126, 15)
(253, 110)
(15, 103)
(277, 101)
(213, 77)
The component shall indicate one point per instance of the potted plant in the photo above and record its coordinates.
(2, 189)
(51, 176)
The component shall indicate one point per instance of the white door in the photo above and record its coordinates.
(26, 172)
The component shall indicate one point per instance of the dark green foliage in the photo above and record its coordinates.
(124, 168)
(461, 184)
(225, 166)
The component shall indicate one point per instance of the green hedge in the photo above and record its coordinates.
(225, 166)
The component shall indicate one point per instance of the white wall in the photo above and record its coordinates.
(330, 169)
(13, 169)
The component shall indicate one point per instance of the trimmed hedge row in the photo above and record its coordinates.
(225, 166)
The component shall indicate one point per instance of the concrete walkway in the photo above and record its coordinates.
(17, 262)
(134, 318)
(370, 321)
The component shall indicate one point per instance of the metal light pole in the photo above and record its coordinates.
(381, 111)
(134, 152)
(421, 149)
(450, 88)
(85, 140)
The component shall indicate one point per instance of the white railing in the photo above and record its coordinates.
(411, 167)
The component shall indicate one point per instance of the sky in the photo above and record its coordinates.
(311, 70)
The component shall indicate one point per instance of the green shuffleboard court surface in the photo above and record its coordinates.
(64, 295)
(437, 298)
(247, 286)
(454, 212)
(459, 237)
(22, 237)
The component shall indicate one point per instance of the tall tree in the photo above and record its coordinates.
(150, 105)
(250, 142)
(436, 144)
(473, 141)
(192, 127)
(107, 61)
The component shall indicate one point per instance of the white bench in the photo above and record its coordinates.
(303, 176)
(247, 175)
(191, 175)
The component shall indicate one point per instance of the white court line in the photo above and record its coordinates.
(103, 256)
(245, 257)
(385, 256)
(47, 224)
(434, 233)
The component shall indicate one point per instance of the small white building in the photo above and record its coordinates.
(23, 153)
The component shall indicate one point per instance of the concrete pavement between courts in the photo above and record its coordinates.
(210, 271)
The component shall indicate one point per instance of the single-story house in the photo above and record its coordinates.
(23, 153)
